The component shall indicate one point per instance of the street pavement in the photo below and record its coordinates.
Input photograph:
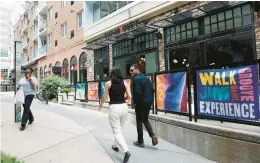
(65, 134)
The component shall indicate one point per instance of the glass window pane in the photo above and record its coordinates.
(206, 20)
(188, 25)
(177, 29)
(112, 6)
(213, 18)
(189, 34)
(172, 30)
(147, 44)
(207, 29)
(194, 24)
(147, 37)
(178, 36)
(183, 35)
(104, 11)
(237, 12)
(195, 32)
(183, 28)
(214, 27)
(229, 14)
(229, 24)
(221, 16)
(172, 37)
(221, 26)
(121, 4)
(238, 22)
(168, 38)
(155, 43)
(246, 9)
(151, 43)
(247, 20)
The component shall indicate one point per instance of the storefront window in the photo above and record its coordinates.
(73, 70)
(232, 18)
(182, 32)
(230, 49)
(65, 69)
(83, 67)
(122, 48)
(183, 57)
(148, 63)
(101, 63)
(124, 64)
(146, 42)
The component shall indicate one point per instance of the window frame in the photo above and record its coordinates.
(49, 39)
(78, 14)
(64, 30)
(50, 17)
(63, 4)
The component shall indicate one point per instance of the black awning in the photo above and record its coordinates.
(94, 46)
(140, 30)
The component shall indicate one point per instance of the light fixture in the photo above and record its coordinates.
(175, 61)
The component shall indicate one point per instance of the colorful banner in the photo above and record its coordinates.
(171, 92)
(128, 81)
(102, 90)
(93, 91)
(229, 93)
(80, 91)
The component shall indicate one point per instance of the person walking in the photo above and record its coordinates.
(29, 84)
(118, 109)
(143, 96)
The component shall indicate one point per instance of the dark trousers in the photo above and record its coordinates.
(142, 113)
(27, 113)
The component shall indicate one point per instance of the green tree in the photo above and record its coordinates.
(5, 158)
(51, 84)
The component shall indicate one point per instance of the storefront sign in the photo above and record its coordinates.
(80, 91)
(102, 90)
(18, 76)
(229, 93)
(128, 81)
(171, 92)
(93, 91)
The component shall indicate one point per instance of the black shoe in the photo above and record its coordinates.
(30, 122)
(141, 145)
(127, 156)
(22, 128)
(155, 140)
(115, 148)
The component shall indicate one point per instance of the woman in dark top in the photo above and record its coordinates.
(118, 110)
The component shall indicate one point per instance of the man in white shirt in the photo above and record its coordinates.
(29, 84)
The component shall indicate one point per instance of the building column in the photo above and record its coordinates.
(161, 51)
(257, 33)
(90, 65)
(110, 53)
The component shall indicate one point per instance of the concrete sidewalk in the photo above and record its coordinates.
(63, 134)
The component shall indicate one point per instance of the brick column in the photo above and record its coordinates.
(161, 52)
(257, 33)
(90, 65)
(110, 57)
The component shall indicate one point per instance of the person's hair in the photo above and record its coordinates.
(135, 66)
(115, 74)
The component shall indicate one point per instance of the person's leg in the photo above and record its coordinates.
(146, 111)
(114, 119)
(31, 118)
(27, 104)
(139, 125)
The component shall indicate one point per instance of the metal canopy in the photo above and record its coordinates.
(94, 46)
(194, 13)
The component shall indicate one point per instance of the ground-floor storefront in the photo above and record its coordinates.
(198, 33)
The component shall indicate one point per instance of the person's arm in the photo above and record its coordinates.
(128, 91)
(103, 100)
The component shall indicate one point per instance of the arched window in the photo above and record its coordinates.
(65, 70)
(73, 70)
(50, 69)
(45, 71)
(57, 63)
(83, 67)
(41, 73)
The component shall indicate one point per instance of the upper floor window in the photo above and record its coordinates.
(50, 13)
(104, 8)
(63, 4)
(64, 30)
(50, 39)
(3, 53)
(146, 41)
(80, 19)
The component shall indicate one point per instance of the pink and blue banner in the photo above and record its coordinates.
(229, 93)
(171, 92)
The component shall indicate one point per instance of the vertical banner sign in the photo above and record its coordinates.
(80, 91)
(128, 81)
(171, 92)
(93, 91)
(229, 93)
(102, 90)
(18, 75)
